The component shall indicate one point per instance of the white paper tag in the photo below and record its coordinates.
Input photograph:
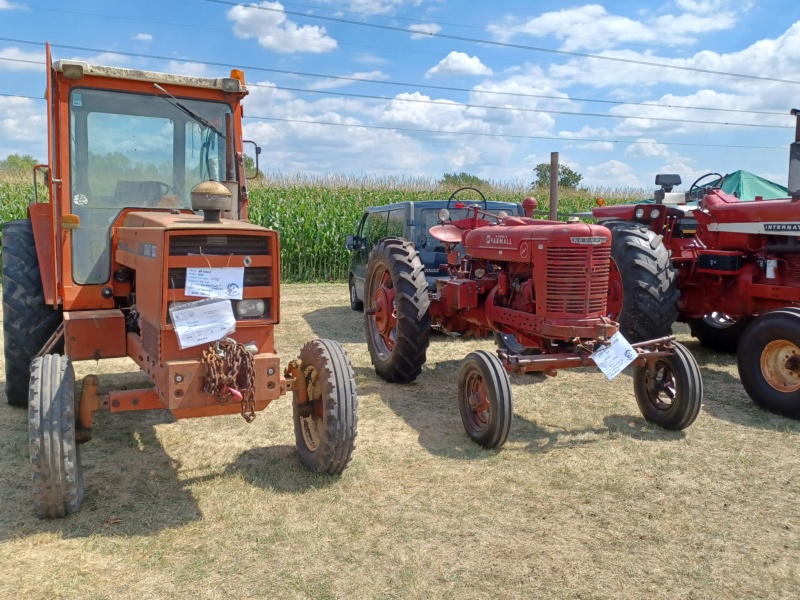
(202, 321)
(612, 358)
(215, 282)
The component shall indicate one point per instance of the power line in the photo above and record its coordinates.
(452, 104)
(395, 83)
(509, 45)
(493, 135)
(509, 135)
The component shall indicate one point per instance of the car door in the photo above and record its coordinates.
(371, 229)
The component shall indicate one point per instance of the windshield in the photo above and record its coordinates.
(134, 150)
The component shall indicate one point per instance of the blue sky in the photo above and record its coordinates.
(401, 87)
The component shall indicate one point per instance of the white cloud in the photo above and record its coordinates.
(371, 60)
(19, 60)
(143, 37)
(330, 84)
(648, 148)
(457, 64)
(6, 5)
(23, 127)
(602, 146)
(267, 21)
(424, 30)
(591, 27)
(378, 7)
(187, 68)
(611, 174)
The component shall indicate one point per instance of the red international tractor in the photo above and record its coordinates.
(728, 268)
(543, 282)
(119, 261)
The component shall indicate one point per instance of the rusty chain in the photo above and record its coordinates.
(230, 371)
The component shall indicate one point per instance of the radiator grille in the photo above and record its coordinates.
(577, 280)
(253, 276)
(219, 245)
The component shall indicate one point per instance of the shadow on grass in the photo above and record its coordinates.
(339, 323)
(429, 405)
(725, 397)
(131, 483)
(277, 468)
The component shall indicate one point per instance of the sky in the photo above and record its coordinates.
(418, 88)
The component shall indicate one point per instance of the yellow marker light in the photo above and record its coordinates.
(70, 221)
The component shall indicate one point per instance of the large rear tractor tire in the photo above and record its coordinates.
(643, 289)
(325, 428)
(769, 361)
(27, 321)
(717, 331)
(55, 457)
(398, 325)
(671, 393)
(484, 399)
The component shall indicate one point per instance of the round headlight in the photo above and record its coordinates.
(502, 214)
(250, 308)
(639, 213)
(444, 215)
(654, 213)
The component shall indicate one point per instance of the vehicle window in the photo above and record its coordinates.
(397, 219)
(134, 150)
(375, 228)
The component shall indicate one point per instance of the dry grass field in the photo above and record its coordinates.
(586, 500)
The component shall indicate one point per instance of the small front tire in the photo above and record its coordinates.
(326, 427)
(55, 457)
(671, 392)
(484, 399)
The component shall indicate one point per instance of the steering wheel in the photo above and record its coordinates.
(461, 189)
(706, 176)
(167, 188)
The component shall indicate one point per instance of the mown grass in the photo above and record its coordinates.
(314, 214)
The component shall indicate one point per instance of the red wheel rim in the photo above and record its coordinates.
(385, 313)
(477, 402)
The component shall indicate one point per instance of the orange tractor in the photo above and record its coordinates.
(120, 262)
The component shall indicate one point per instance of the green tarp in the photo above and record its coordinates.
(746, 186)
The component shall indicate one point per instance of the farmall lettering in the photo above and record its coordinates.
(498, 240)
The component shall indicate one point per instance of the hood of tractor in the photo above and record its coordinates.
(184, 220)
(518, 243)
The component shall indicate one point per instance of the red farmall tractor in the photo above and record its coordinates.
(543, 282)
(119, 262)
(728, 268)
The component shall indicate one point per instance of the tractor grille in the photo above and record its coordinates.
(253, 276)
(577, 280)
(218, 245)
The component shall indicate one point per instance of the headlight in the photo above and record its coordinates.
(444, 215)
(639, 213)
(248, 309)
(502, 214)
(654, 213)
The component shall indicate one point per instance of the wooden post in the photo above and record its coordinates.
(554, 186)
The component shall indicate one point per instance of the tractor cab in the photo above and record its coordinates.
(126, 141)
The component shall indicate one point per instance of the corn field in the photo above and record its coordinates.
(313, 214)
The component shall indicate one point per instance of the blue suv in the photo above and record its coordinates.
(412, 221)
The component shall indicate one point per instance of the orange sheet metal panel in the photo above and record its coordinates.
(42, 222)
(185, 380)
(95, 334)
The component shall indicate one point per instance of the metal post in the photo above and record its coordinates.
(554, 186)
